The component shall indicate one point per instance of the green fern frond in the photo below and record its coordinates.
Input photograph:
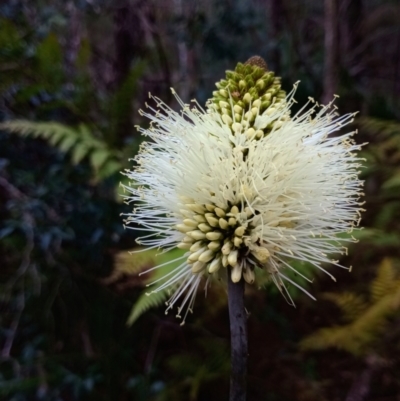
(145, 302)
(170, 260)
(351, 305)
(109, 168)
(80, 142)
(98, 157)
(376, 126)
(299, 269)
(377, 237)
(357, 336)
(79, 153)
(366, 323)
(336, 337)
(48, 130)
(126, 264)
(375, 317)
(384, 283)
(130, 263)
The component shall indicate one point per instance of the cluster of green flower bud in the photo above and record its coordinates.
(246, 92)
(214, 238)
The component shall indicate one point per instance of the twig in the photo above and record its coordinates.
(238, 326)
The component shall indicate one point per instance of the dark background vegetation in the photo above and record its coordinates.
(73, 74)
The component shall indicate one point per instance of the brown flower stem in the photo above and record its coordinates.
(238, 326)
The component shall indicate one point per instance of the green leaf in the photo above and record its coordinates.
(85, 132)
(67, 143)
(377, 237)
(55, 137)
(109, 168)
(384, 282)
(132, 263)
(367, 320)
(80, 142)
(79, 153)
(376, 126)
(51, 131)
(98, 157)
(392, 182)
(145, 302)
(352, 305)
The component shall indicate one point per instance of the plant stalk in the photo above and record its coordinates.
(238, 326)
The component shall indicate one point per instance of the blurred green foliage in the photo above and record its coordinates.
(367, 321)
(72, 77)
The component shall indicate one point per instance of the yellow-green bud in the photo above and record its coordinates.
(211, 219)
(219, 212)
(247, 98)
(199, 218)
(261, 84)
(183, 228)
(242, 84)
(214, 235)
(236, 273)
(198, 267)
(197, 235)
(232, 221)
(249, 84)
(210, 207)
(257, 103)
(190, 223)
(214, 245)
(195, 255)
(237, 109)
(223, 223)
(248, 275)
(206, 256)
(232, 257)
(215, 265)
(204, 227)
(184, 245)
(196, 246)
(226, 249)
(234, 210)
(237, 241)
(227, 119)
(240, 231)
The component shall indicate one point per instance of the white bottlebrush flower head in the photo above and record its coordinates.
(243, 193)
